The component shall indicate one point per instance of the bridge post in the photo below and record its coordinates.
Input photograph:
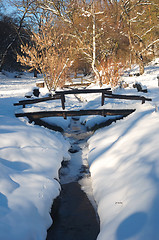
(63, 101)
(102, 99)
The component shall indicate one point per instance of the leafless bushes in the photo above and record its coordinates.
(110, 71)
(48, 55)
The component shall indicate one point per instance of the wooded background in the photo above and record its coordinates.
(63, 38)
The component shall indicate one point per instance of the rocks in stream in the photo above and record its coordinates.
(64, 164)
(74, 149)
(84, 172)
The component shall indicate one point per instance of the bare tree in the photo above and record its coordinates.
(83, 38)
(84, 26)
(48, 55)
(138, 28)
(26, 10)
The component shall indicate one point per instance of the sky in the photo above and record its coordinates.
(8, 9)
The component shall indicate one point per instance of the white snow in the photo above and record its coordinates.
(123, 160)
(124, 166)
(30, 157)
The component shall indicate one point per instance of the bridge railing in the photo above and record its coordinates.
(106, 93)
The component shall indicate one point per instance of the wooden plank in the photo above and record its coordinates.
(103, 112)
(127, 97)
(83, 91)
(76, 85)
(32, 101)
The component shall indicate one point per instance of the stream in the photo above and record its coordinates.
(74, 211)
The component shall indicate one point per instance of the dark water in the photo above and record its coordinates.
(73, 215)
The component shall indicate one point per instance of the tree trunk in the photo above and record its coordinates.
(35, 73)
(141, 67)
(98, 78)
(14, 39)
(138, 57)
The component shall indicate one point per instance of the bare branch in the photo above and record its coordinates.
(150, 45)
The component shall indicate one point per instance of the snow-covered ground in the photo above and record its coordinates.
(124, 165)
(30, 157)
(123, 160)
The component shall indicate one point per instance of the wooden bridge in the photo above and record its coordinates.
(37, 100)
(106, 93)
(65, 114)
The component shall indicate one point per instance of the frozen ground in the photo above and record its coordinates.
(123, 161)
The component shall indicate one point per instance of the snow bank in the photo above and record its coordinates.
(124, 166)
(30, 157)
